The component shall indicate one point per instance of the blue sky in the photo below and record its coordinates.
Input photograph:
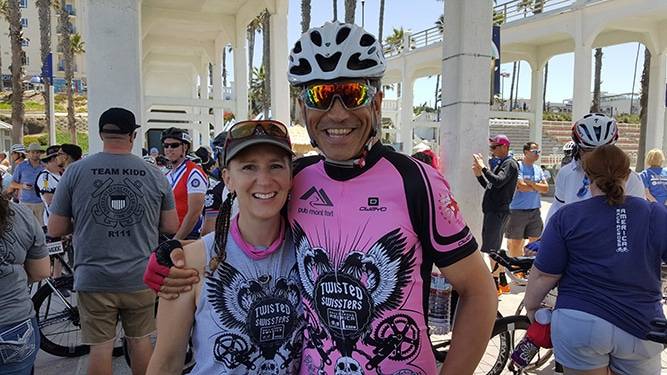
(617, 68)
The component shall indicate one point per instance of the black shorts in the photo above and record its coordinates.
(493, 229)
(524, 224)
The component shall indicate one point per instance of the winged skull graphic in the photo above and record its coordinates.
(384, 270)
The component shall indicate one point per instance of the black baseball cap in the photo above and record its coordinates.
(118, 121)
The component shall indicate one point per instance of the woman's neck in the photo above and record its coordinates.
(259, 232)
(595, 190)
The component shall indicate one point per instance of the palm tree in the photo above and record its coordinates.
(256, 91)
(11, 11)
(266, 61)
(65, 30)
(224, 64)
(395, 40)
(381, 21)
(512, 86)
(335, 10)
(44, 9)
(597, 81)
(544, 89)
(350, 8)
(643, 103)
(305, 15)
(252, 28)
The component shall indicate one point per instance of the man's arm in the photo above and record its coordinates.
(649, 196)
(541, 187)
(59, 225)
(476, 313)
(523, 186)
(168, 221)
(506, 173)
(195, 207)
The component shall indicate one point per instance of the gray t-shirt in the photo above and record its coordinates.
(115, 202)
(23, 239)
(249, 318)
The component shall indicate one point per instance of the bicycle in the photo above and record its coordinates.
(56, 311)
(514, 267)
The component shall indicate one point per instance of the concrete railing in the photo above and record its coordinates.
(515, 10)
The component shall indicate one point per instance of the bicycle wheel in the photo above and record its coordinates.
(496, 354)
(59, 325)
(543, 356)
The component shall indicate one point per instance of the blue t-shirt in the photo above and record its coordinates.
(25, 173)
(609, 258)
(655, 180)
(529, 199)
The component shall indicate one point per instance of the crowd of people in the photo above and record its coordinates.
(271, 264)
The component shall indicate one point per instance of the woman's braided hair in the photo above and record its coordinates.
(222, 224)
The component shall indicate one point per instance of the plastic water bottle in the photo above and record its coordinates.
(537, 336)
(439, 305)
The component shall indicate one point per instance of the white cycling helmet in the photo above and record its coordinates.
(594, 130)
(335, 50)
(568, 147)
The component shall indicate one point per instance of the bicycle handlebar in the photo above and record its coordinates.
(514, 264)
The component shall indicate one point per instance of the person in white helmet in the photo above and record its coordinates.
(568, 153)
(572, 185)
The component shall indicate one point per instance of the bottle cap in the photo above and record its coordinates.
(543, 316)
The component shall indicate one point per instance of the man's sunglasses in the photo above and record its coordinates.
(171, 145)
(493, 147)
(352, 95)
(536, 152)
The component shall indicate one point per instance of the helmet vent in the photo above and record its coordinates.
(367, 40)
(316, 38)
(302, 69)
(354, 63)
(297, 47)
(328, 64)
(342, 35)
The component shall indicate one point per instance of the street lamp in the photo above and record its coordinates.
(363, 2)
(503, 75)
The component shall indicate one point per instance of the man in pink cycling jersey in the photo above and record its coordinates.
(368, 225)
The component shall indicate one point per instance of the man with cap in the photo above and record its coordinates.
(23, 180)
(499, 183)
(188, 182)
(47, 180)
(115, 204)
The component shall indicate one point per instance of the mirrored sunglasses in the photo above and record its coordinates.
(352, 95)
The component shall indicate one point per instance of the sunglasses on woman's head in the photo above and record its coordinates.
(352, 95)
(246, 129)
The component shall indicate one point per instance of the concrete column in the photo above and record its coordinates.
(536, 90)
(217, 88)
(241, 83)
(113, 59)
(280, 93)
(464, 128)
(655, 124)
(406, 128)
(581, 99)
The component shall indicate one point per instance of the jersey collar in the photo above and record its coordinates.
(344, 173)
